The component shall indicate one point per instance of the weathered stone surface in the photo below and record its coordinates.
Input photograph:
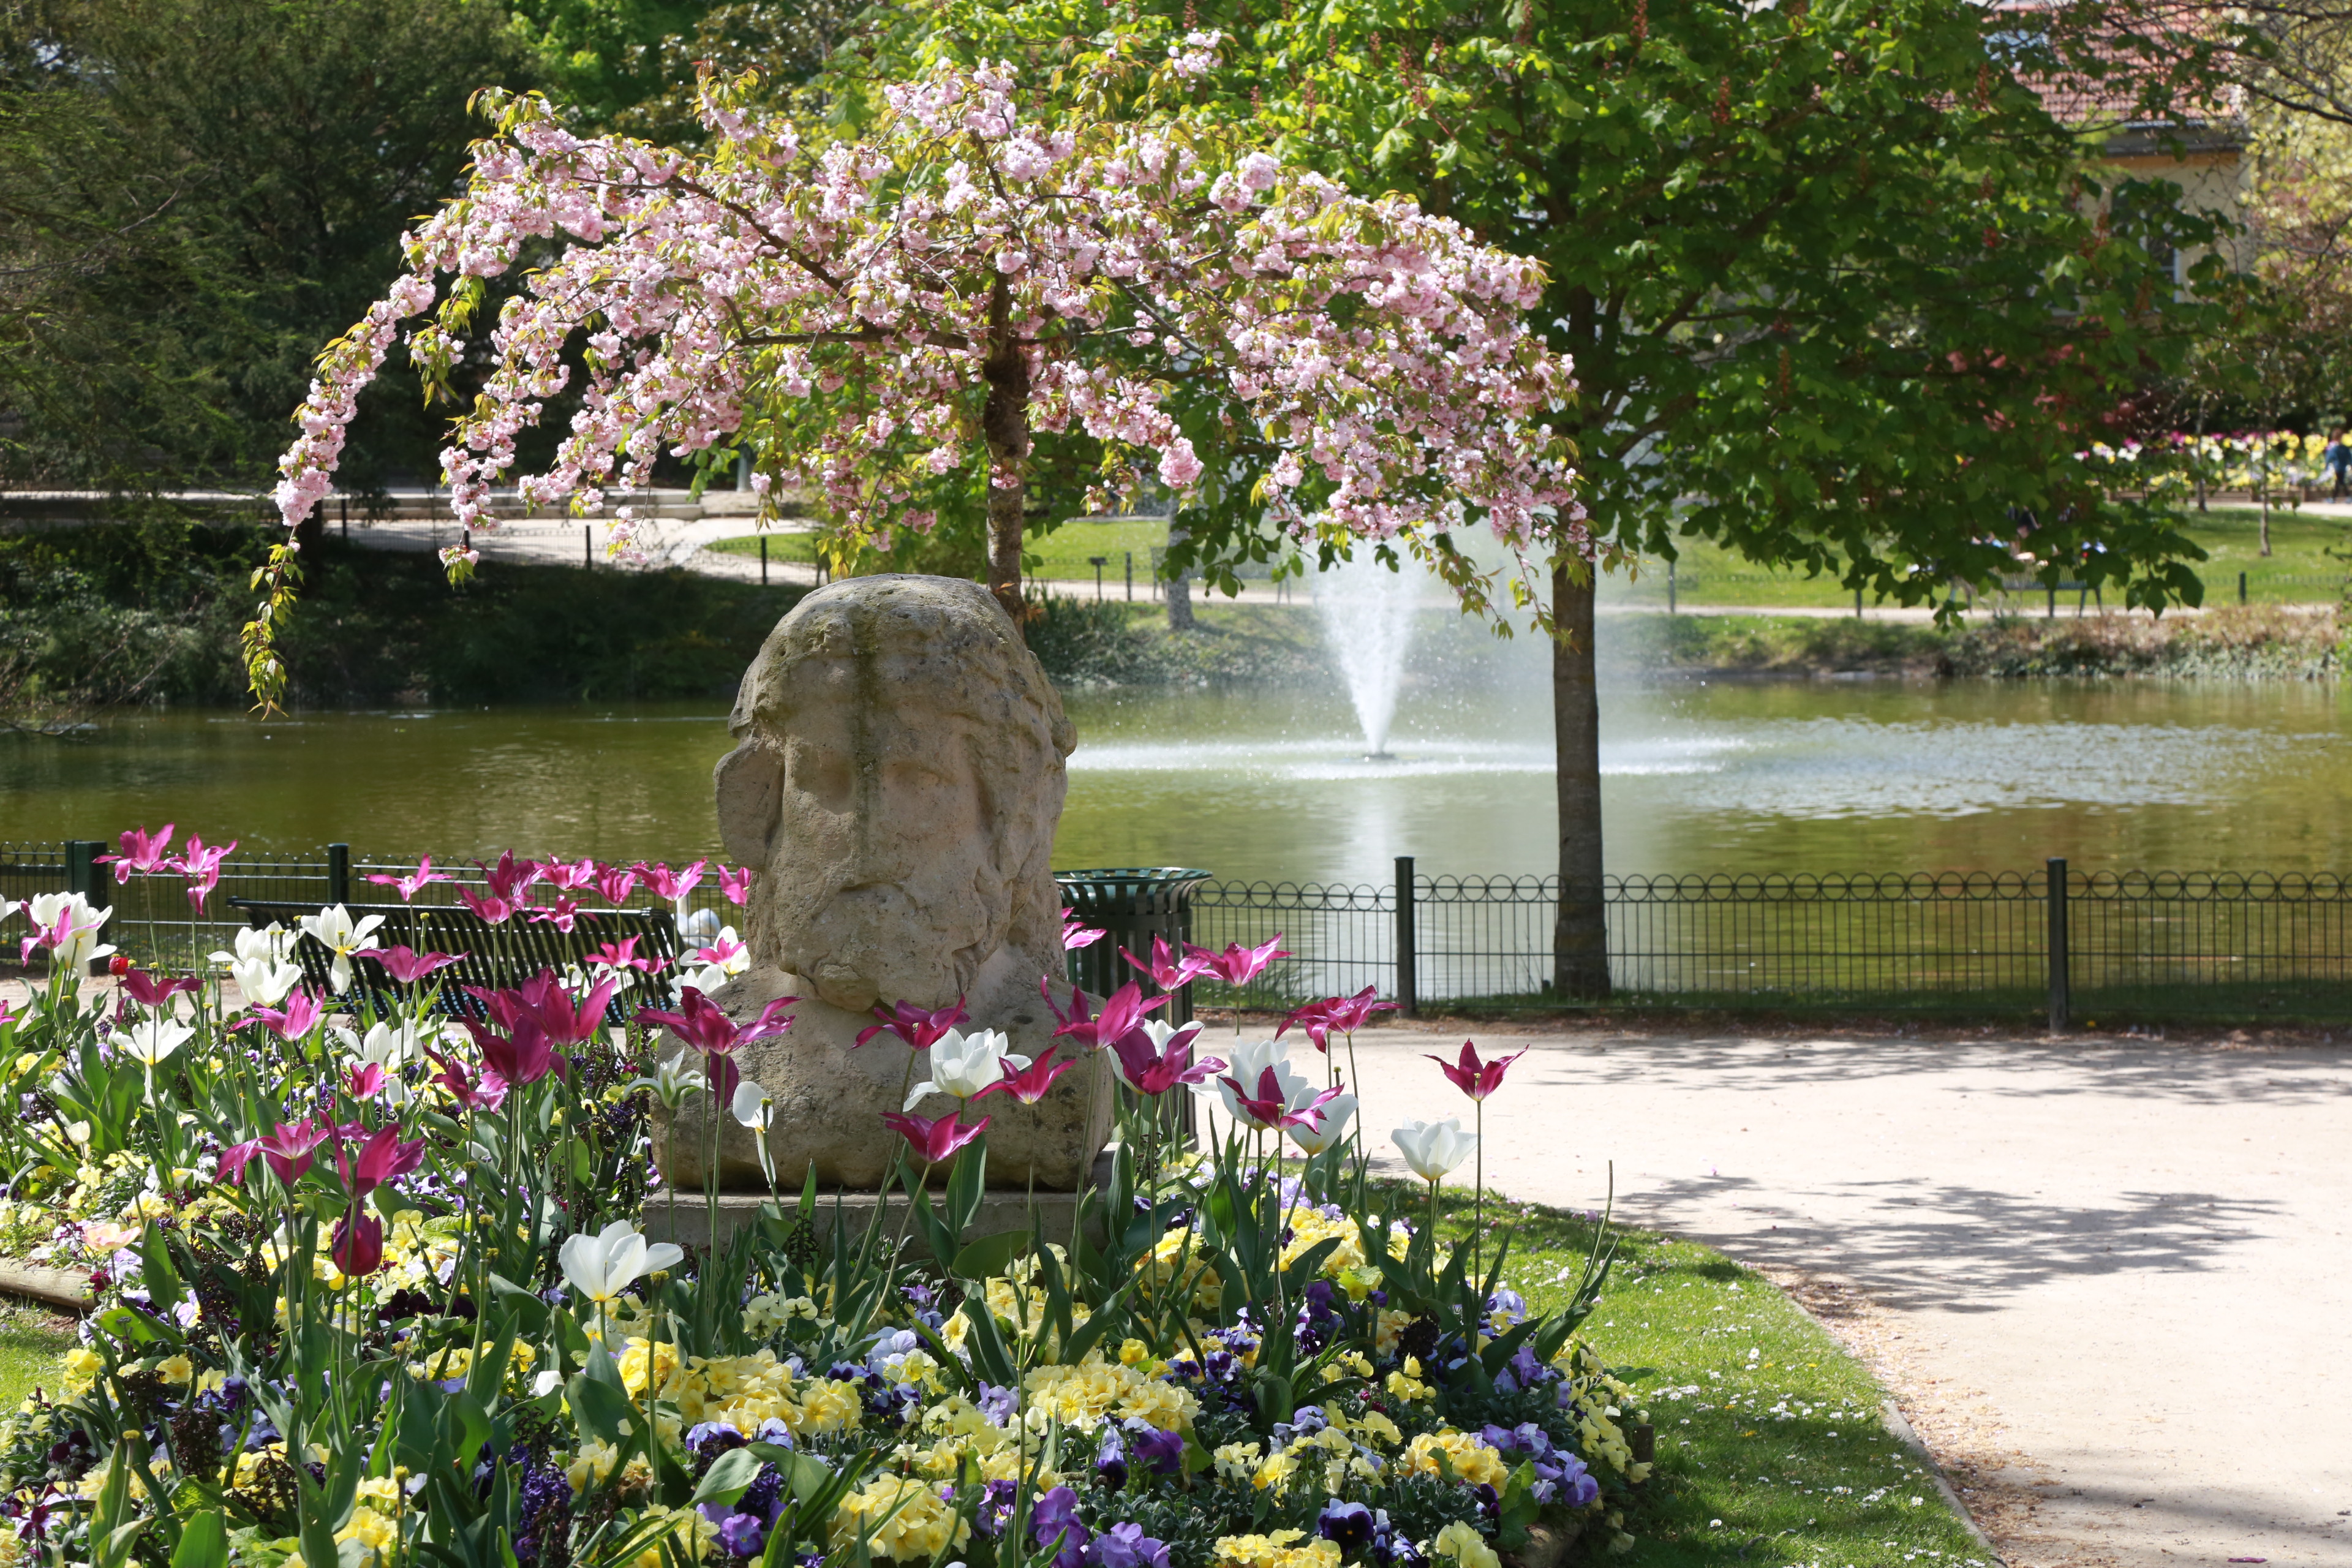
(896, 779)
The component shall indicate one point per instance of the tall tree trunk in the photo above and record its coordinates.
(1580, 937)
(1004, 424)
(1179, 587)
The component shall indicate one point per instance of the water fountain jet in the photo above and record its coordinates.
(1367, 612)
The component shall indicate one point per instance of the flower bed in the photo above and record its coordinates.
(371, 1288)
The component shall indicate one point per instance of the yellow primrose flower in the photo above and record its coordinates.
(899, 1517)
(1465, 1546)
(1470, 1459)
(1278, 1550)
(175, 1369)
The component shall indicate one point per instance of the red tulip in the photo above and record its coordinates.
(358, 1247)
(1473, 1078)
(934, 1140)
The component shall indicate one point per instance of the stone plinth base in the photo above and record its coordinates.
(1055, 1215)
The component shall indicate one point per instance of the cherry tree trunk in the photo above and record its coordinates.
(1581, 936)
(1004, 424)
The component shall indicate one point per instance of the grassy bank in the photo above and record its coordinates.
(1771, 1449)
(2255, 641)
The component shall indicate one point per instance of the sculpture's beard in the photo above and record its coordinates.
(879, 943)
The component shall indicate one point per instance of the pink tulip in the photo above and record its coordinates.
(1156, 1072)
(151, 990)
(519, 1056)
(382, 1158)
(673, 885)
(616, 883)
(492, 910)
(1339, 1014)
(1167, 970)
(570, 877)
(201, 864)
(1270, 1108)
(297, 1019)
(408, 967)
(364, 1081)
(1076, 936)
(509, 878)
(933, 1141)
(289, 1149)
(1237, 966)
(1030, 1085)
(414, 882)
(622, 954)
(485, 1094)
(1475, 1079)
(562, 914)
(736, 884)
(705, 1026)
(920, 1028)
(141, 852)
(1121, 1011)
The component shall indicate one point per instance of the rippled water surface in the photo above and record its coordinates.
(1803, 775)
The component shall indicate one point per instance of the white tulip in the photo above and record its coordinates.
(332, 929)
(388, 1046)
(264, 981)
(1247, 1065)
(1435, 1148)
(269, 943)
(600, 1267)
(754, 1108)
(151, 1040)
(1336, 1113)
(81, 948)
(963, 1065)
(672, 1081)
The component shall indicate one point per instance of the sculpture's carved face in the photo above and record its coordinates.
(909, 901)
(898, 779)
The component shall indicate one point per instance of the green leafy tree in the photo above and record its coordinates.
(192, 194)
(1843, 294)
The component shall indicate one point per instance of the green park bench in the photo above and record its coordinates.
(496, 957)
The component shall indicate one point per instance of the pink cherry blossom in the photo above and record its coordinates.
(845, 307)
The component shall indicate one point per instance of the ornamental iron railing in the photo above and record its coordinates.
(2066, 943)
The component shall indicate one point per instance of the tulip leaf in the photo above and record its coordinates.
(991, 1254)
(204, 1542)
(601, 1408)
(730, 1477)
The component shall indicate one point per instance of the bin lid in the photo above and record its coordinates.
(1107, 890)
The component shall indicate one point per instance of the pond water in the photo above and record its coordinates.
(1738, 775)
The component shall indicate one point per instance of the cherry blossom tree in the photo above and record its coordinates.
(906, 315)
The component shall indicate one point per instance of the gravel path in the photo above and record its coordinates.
(2108, 1278)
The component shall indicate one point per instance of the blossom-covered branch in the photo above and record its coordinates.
(877, 318)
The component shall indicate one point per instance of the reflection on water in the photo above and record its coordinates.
(1697, 777)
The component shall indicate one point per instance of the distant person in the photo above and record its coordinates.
(2338, 458)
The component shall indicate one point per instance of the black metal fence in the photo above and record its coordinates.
(2077, 945)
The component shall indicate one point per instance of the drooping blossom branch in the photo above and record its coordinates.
(880, 318)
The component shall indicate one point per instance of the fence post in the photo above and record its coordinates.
(2061, 986)
(1407, 978)
(339, 873)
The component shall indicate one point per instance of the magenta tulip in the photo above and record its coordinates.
(920, 1028)
(1471, 1077)
(934, 1140)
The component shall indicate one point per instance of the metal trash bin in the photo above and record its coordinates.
(1132, 904)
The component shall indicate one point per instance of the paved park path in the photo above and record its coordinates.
(2110, 1281)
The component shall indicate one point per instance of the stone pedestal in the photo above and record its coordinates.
(1054, 1214)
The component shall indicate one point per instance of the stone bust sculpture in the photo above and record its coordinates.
(897, 777)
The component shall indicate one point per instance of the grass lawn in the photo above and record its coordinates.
(1771, 1451)
(2297, 569)
(33, 1344)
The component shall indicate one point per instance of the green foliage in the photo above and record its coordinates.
(115, 614)
(196, 192)
(1840, 291)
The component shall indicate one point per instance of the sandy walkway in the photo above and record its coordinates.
(2109, 1279)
